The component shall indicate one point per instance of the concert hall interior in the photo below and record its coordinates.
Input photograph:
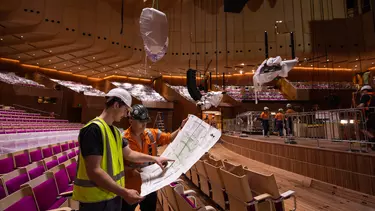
(288, 83)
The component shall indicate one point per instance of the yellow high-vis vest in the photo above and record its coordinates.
(112, 162)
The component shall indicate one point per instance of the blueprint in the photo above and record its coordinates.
(195, 139)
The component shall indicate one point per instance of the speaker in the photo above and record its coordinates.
(234, 6)
(191, 83)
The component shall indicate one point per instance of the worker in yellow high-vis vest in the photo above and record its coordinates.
(99, 185)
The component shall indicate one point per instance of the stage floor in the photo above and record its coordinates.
(323, 144)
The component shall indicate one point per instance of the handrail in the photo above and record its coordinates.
(37, 110)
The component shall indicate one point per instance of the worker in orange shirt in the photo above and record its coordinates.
(265, 117)
(289, 120)
(145, 140)
(279, 119)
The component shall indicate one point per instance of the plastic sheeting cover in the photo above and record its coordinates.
(154, 32)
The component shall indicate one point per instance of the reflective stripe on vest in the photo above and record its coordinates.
(158, 135)
(149, 133)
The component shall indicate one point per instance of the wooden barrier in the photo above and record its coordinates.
(355, 171)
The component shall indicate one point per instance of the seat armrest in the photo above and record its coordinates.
(190, 192)
(209, 208)
(62, 209)
(66, 194)
(287, 194)
(262, 197)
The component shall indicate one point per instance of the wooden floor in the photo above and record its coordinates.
(308, 198)
(337, 145)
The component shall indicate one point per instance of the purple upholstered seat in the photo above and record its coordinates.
(47, 152)
(56, 149)
(7, 165)
(65, 147)
(36, 172)
(2, 192)
(72, 170)
(71, 145)
(62, 180)
(71, 154)
(36, 155)
(26, 203)
(77, 152)
(14, 184)
(22, 160)
(63, 158)
(52, 164)
(46, 195)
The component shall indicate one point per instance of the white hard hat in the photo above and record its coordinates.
(122, 94)
(366, 87)
(280, 109)
(288, 105)
(266, 108)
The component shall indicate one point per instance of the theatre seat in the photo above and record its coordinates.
(219, 195)
(20, 200)
(205, 185)
(36, 154)
(12, 181)
(6, 163)
(46, 192)
(21, 158)
(35, 169)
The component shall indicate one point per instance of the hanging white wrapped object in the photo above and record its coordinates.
(269, 70)
(210, 99)
(154, 32)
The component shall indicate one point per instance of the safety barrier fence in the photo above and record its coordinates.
(341, 125)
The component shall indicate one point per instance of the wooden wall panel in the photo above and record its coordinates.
(349, 170)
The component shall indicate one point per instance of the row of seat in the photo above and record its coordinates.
(17, 112)
(11, 182)
(17, 119)
(174, 197)
(45, 192)
(235, 187)
(11, 161)
(10, 131)
(25, 116)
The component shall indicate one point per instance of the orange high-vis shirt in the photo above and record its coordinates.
(279, 116)
(264, 115)
(151, 139)
(289, 111)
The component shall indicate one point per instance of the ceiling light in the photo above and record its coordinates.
(138, 70)
(116, 65)
(103, 68)
(50, 51)
(356, 59)
(327, 60)
(311, 65)
(79, 68)
(64, 64)
(93, 71)
(19, 57)
(54, 67)
(324, 66)
(241, 71)
(70, 70)
(243, 64)
(372, 63)
(149, 66)
(78, 61)
(115, 71)
(339, 65)
(299, 64)
(21, 36)
(33, 54)
(37, 63)
(1, 39)
(49, 60)
(93, 57)
(355, 66)
(105, 74)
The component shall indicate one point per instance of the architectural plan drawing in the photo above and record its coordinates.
(195, 139)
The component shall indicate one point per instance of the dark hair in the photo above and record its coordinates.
(109, 103)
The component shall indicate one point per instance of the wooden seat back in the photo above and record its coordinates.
(262, 183)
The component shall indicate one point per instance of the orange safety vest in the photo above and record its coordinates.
(151, 138)
(279, 116)
(264, 116)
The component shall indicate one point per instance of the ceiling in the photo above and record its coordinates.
(83, 36)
